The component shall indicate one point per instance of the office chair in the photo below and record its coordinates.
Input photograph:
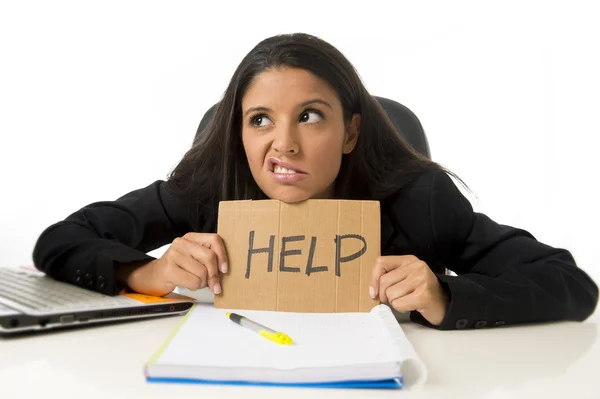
(403, 118)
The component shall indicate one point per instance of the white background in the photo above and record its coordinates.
(100, 98)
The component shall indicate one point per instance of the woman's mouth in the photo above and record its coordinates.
(284, 172)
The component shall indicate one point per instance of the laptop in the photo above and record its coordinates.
(30, 301)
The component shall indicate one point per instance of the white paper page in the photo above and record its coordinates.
(209, 338)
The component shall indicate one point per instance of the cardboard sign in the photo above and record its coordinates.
(313, 256)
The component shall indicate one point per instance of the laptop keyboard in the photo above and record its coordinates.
(33, 292)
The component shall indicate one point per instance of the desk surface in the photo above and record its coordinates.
(555, 360)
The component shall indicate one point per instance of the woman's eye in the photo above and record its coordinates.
(311, 117)
(260, 121)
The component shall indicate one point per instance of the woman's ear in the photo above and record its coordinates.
(352, 132)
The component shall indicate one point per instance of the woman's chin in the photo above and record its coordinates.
(290, 195)
(293, 193)
(292, 199)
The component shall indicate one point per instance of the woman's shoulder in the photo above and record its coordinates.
(423, 188)
(431, 202)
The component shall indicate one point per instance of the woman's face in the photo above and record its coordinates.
(294, 134)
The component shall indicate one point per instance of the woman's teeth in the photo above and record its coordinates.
(279, 169)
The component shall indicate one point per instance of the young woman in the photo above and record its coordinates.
(296, 123)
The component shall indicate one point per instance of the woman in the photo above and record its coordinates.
(296, 123)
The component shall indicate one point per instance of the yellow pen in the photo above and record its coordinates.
(272, 335)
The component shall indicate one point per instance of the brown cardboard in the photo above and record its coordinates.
(276, 229)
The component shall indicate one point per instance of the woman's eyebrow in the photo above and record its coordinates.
(315, 101)
(253, 109)
(301, 105)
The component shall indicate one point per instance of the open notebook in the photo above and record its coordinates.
(362, 350)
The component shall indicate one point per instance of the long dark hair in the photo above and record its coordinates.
(216, 168)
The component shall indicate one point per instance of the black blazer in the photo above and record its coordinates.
(503, 274)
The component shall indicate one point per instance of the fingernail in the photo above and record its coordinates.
(372, 292)
(217, 289)
(223, 268)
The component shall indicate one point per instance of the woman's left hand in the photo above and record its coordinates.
(407, 283)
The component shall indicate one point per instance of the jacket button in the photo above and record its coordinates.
(101, 281)
(89, 279)
(481, 324)
(78, 276)
(461, 323)
(499, 323)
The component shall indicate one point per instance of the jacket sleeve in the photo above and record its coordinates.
(84, 248)
(504, 275)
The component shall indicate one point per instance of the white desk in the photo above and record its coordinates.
(559, 360)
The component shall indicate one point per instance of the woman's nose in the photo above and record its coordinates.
(285, 141)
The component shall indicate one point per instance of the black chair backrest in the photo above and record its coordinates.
(403, 118)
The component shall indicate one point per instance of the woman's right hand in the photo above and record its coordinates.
(192, 261)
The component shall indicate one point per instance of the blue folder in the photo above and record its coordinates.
(396, 383)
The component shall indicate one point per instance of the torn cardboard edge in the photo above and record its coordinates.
(311, 256)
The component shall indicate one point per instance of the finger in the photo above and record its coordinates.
(405, 287)
(214, 242)
(209, 259)
(390, 279)
(406, 303)
(205, 262)
(386, 264)
(179, 275)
